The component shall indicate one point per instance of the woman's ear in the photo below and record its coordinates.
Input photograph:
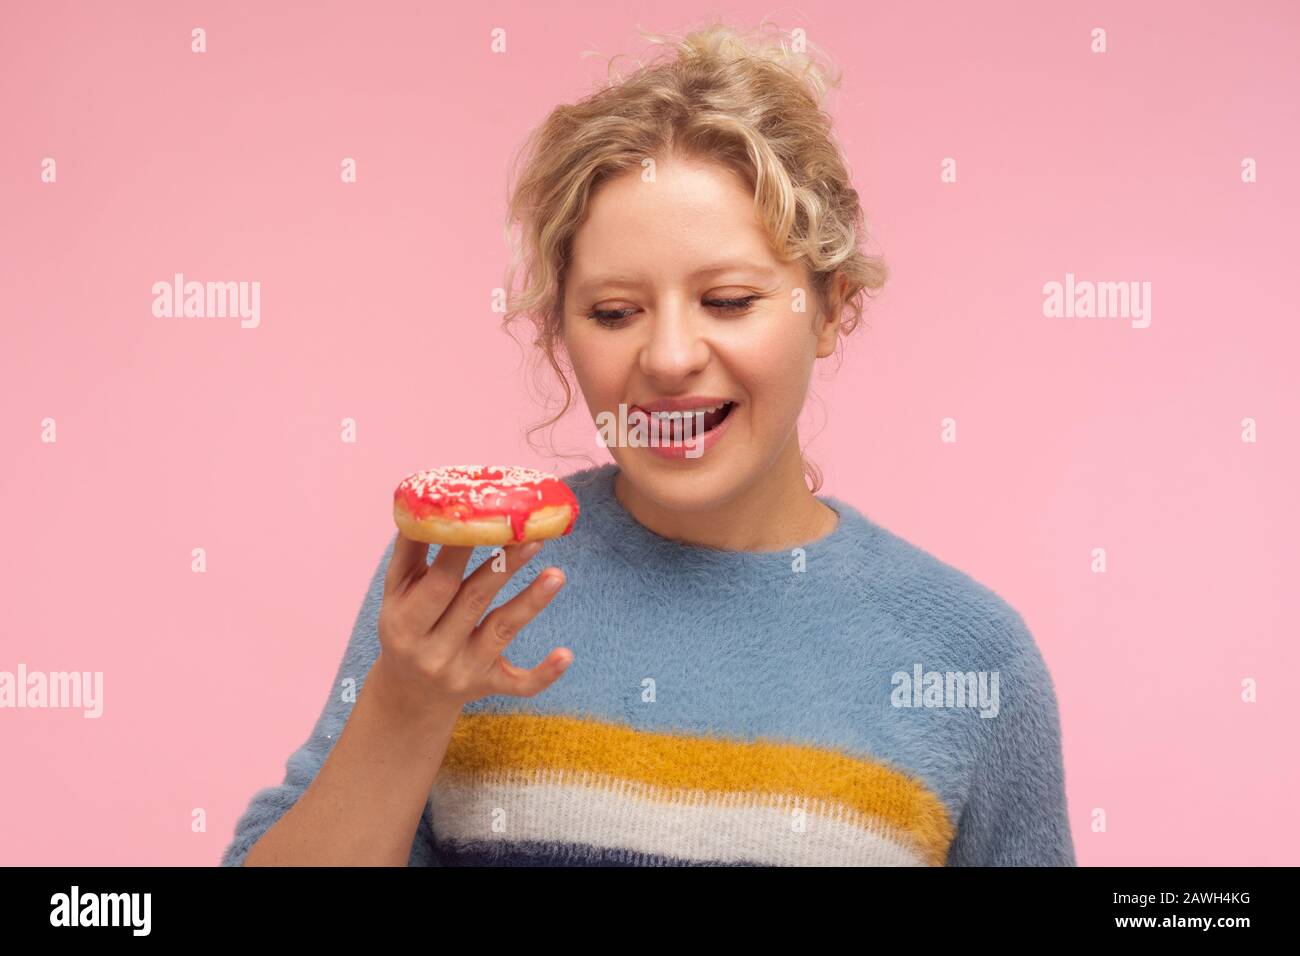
(830, 325)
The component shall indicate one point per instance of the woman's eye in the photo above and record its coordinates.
(731, 305)
(610, 318)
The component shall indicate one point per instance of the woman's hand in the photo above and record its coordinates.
(433, 648)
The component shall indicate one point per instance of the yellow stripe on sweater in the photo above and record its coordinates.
(490, 746)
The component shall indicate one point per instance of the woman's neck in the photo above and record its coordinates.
(775, 514)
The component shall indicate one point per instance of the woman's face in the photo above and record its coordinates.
(654, 260)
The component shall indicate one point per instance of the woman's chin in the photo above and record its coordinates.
(701, 486)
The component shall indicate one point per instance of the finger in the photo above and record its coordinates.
(409, 559)
(475, 596)
(508, 679)
(430, 593)
(500, 627)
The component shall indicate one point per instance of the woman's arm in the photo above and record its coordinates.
(1016, 813)
(365, 805)
(268, 806)
(355, 791)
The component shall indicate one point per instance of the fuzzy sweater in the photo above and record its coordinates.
(855, 701)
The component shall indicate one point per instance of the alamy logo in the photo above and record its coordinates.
(946, 689)
(1098, 300)
(60, 690)
(208, 300)
(640, 429)
(102, 909)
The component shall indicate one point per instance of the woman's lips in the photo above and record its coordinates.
(696, 446)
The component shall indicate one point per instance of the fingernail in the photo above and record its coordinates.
(551, 583)
(530, 549)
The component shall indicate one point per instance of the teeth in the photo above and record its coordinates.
(675, 416)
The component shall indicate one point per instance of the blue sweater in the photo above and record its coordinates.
(855, 701)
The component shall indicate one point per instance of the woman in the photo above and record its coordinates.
(737, 670)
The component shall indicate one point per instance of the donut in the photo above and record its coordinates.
(483, 505)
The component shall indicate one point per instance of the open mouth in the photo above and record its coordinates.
(714, 419)
(677, 426)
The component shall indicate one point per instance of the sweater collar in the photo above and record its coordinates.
(606, 516)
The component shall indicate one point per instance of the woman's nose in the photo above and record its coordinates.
(675, 348)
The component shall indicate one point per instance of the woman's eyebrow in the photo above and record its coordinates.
(738, 265)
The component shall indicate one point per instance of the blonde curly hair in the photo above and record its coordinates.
(751, 102)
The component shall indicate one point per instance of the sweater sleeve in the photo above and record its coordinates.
(269, 805)
(1016, 813)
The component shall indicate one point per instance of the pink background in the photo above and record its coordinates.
(1073, 434)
